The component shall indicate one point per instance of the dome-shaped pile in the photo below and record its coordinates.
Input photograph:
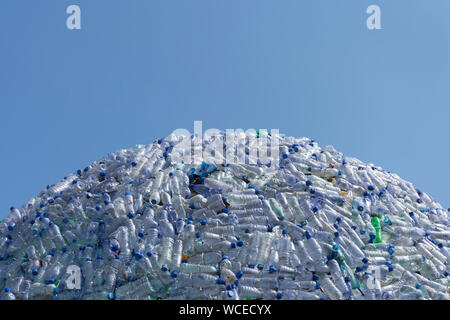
(304, 223)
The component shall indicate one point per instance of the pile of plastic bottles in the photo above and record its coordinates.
(311, 224)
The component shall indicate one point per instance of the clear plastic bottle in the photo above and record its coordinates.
(330, 289)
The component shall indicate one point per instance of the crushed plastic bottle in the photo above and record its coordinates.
(307, 224)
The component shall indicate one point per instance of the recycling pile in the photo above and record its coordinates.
(307, 224)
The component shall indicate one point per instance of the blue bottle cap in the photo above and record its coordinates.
(307, 235)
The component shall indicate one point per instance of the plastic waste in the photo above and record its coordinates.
(307, 223)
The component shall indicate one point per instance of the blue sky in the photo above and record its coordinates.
(139, 69)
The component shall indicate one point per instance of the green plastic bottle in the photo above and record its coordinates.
(377, 225)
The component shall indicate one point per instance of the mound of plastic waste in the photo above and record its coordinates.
(306, 224)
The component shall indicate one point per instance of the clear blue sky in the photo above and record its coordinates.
(140, 69)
